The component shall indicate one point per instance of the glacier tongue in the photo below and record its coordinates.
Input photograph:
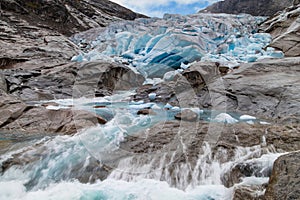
(155, 46)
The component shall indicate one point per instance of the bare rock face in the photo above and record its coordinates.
(253, 7)
(248, 193)
(184, 141)
(285, 30)
(285, 179)
(68, 16)
(20, 119)
(267, 89)
(70, 80)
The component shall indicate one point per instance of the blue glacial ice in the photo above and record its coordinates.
(155, 46)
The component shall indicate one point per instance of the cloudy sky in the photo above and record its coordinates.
(156, 8)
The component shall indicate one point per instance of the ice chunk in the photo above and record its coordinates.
(153, 81)
(152, 96)
(247, 117)
(175, 109)
(169, 76)
(250, 122)
(264, 123)
(50, 107)
(141, 106)
(277, 54)
(168, 106)
(225, 118)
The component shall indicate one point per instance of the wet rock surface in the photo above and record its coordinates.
(249, 193)
(182, 143)
(187, 115)
(227, 136)
(20, 119)
(284, 181)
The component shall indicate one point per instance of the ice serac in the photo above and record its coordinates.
(155, 46)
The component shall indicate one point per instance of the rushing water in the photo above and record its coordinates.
(63, 167)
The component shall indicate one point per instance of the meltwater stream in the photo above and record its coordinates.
(69, 167)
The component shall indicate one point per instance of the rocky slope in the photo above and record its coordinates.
(253, 7)
(67, 16)
(268, 89)
(285, 30)
(285, 180)
(35, 61)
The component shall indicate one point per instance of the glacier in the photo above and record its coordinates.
(158, 45)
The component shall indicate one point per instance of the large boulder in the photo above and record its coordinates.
(183, 89)
(72, 80)
(21, 119)
(187, 115)
(285, 29)
(285, 179)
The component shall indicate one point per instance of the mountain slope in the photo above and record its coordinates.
(285, 30)
(68, 16)
(253, 7)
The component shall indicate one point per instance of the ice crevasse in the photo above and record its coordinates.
(155, 46)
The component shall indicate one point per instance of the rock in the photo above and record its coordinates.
(26, 120)
(248, 193)
(285, 28)
(285, 180)
(253, 7)
(11, 109)
(242, 170)
(224, 70)
(269, 89)
(184, 89)
(71, 81)
(3, 85)
(184, 142)
(68, 17)
(94, 77)
(146, 112)
(187, 115)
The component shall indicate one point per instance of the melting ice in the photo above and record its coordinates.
(155, 46)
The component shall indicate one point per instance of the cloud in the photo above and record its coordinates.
(156, 8)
